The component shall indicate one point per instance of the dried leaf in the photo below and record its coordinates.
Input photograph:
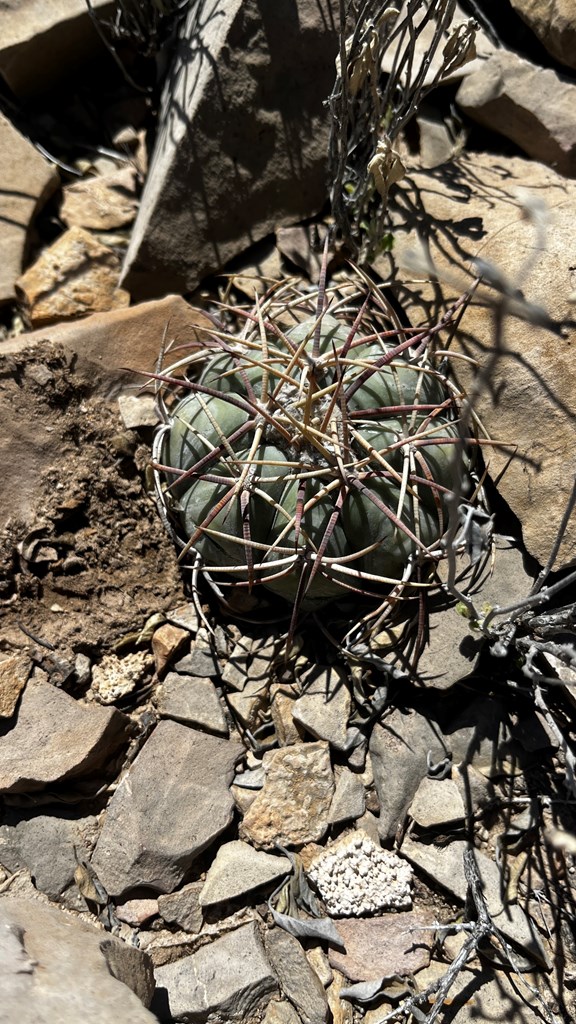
(322, 928)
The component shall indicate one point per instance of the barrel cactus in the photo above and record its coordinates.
(309, 446)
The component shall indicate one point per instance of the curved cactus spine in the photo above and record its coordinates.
(310, 448)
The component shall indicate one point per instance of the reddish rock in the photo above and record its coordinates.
(378, 947)
(167, 643)
(14, 672)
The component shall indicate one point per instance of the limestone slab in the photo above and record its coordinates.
(173, 802)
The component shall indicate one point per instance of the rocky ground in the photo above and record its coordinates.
(194, 826)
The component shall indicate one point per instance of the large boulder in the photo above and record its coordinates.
(554, 22)
(243, 139)
(476, 208)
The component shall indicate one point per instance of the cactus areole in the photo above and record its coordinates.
(311, 453)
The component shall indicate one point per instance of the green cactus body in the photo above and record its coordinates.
(317, 463)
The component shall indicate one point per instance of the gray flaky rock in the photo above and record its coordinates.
(228, 980)
(57, 969)
(474, 209)
(399, 754)
(173, 802)
(324, 707)
(45, 844)
(191, 701)
(55, 738)
(293, 806)
(300, 983)
(41, 42)
(532, 106)
(243, 139)
(239, 869)
(27, 181)
(554, 22)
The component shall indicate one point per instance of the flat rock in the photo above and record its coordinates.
(44, 844)
(349, 800)
(293, 806)
(239, 869)
(56, 738)
(27, 182)
(192, 701)
(109, 348)
(399, 750)
(500, 95)
(151, 842)
(40, 43)
(14, 672)
(437, 802)
(299, 982)
(228, 167)
(378, 947)
(324, 707)
(446, 866)
(52, 964)
(102, 203)
(554, 22)
(183, 907)
(530, 404)
(454, 647)
(74, 276)
(228, 980)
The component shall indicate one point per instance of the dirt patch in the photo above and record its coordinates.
(88, 561)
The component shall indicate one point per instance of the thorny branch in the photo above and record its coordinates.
(370, 107)
(483, 928)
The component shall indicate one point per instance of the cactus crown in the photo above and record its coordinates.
(310, 448)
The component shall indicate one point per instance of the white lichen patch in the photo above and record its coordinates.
(115, 677)
(355, 877)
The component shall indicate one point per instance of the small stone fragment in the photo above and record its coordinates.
(115, 678)
(74, 276)
(378, 947)
(137, 912)
(282, 699)
(227, 980)
(349, 800)
(167, 643)
(137, 411)
(437, 802)
(324, 707)
(293, 806)
(299, 982)
(14, 672)
(183, 907)
(192, 701)
(239, 869)
(148, 840)
(185, 616)
(101, 203)
(399, 750)
(251, 704)
(281, 1012)
(355, 877)
(202, 659)
(56, 737)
